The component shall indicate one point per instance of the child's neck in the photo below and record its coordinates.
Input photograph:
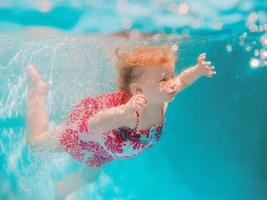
(152, 108)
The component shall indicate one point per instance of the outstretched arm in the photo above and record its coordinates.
(191, 74)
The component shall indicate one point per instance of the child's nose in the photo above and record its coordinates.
(172, 84)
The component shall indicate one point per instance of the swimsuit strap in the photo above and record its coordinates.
(138, 118)
(162, 113)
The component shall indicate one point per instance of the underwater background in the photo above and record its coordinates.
(214, 144)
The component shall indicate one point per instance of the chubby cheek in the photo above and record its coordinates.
(161, 92)
(151, 92)
(163, 88)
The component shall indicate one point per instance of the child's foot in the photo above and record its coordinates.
(36, 85)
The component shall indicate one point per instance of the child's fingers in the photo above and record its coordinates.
(143, 100)
(202, 54)
(204, 63)
(201, 57)
(210, 68)
(141, 103)
(142, 97)
(210, 74)
(140, 100)
(207, 63)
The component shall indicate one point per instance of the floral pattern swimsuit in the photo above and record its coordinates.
(98, 149)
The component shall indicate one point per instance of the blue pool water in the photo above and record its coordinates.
(214, 142)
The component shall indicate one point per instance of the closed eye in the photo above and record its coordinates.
(166, 78)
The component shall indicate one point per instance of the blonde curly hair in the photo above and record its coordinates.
(141, 56)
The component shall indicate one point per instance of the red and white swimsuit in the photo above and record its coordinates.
(98, 149)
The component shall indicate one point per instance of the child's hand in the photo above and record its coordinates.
(136, 103)
(203, 67)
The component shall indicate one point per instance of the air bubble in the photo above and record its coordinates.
(229, 48)
(254, 63)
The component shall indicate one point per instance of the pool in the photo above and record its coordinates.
(214, 143)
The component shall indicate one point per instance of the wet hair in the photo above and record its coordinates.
(141, 56)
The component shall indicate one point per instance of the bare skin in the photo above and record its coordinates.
(38, 134)
(37, 115)
(76, 181)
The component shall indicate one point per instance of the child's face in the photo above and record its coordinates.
(157, 83)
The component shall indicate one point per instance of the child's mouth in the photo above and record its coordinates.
(172, 93)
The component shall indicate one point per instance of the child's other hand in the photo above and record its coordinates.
(204, 67)
(136, 103)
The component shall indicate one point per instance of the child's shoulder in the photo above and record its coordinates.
(109, 99)
(112, 99)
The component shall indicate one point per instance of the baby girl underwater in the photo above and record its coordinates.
(115, 125)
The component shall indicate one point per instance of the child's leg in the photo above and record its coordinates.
(37, 115)
(76, 181)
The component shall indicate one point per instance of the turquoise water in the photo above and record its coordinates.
(214, 142)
